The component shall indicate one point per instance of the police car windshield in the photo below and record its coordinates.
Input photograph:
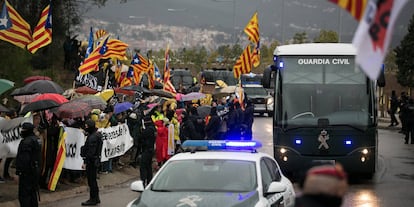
(207, 175)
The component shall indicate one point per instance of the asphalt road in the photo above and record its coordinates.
(391, 186)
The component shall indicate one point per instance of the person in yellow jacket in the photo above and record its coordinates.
(171, 115)
(158, 115)
(101, 120)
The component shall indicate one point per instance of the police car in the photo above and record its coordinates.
(217, 173)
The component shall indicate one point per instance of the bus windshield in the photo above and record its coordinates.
(323, 87)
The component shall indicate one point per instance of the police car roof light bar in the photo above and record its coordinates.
(223, 144)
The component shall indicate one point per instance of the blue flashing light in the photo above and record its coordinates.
(281, 64)
(298, 141)
(223, 144)
(348, 142)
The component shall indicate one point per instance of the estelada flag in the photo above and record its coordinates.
(13, 28)
(42, 34)
(373, 37)
(91, 62)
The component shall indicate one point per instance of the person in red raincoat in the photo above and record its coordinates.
(161, 142)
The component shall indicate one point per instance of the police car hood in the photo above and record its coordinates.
(200, 199)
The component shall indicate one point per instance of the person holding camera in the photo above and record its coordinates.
(91, 153)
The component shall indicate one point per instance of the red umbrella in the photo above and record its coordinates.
(73, 110)
(35, 78)
(51, 96)
(85, 90)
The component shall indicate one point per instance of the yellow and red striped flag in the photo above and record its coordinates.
(42, 34)
(91, 62)
(13, 28)
(60, 159)
(151, 75)
(140, 66)
(100, 33)
(252, 29)
(168, 86)
(256, 55)
(355, 7)
(116, 49)
(243, 65)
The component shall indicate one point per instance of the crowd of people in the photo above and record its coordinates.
(404, 106)
(149, 124)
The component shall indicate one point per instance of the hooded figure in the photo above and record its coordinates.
(27, 166)
(91, 154)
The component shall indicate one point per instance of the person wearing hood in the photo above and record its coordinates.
(28, 166)
(323, 186)
(213, 123)
(187, 129)
(91, 154)
(147, 140)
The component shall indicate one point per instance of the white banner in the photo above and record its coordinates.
(10, 136)
(75, 139)
(116, 141)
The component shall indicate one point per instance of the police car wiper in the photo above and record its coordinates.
(161, 190)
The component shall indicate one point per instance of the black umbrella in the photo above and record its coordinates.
(3, 109)
(39, 86)
(137, 88)
(39, 106)
(162, 93)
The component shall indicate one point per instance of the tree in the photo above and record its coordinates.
(404, 57)
(300, 37)
(326, 36)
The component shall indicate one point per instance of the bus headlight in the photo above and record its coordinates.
(283, 150)
(365, 151)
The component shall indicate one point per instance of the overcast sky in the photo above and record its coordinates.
(296, 15)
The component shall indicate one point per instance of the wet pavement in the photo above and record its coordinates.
(65, 189)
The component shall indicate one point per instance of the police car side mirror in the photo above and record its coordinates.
(276, 187)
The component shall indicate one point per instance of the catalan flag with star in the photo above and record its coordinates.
(91, 62)
(13, 28)
(42, 34)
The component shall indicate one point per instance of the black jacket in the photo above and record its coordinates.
(318, 201)
(28, 156)
(92, 149)
(148, 135)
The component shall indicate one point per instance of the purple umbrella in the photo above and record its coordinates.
(121, 107)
